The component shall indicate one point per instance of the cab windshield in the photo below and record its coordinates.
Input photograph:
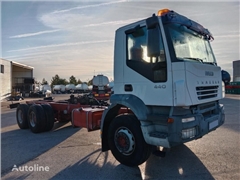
(189, 45)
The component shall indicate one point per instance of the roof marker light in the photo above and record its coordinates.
(163, 12)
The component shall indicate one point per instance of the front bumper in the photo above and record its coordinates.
(203, 124)
(176, 133)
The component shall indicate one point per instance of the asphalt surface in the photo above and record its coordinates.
(74, 153)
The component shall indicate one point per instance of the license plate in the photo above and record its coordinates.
(213, 124)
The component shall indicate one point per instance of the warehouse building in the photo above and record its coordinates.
(15, 78)
(236, 71)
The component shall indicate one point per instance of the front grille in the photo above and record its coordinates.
(206, 92)
(207, 106)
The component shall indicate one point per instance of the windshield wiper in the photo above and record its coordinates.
(196, 59)
(213, 63)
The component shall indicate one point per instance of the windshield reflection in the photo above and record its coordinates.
(190, 46)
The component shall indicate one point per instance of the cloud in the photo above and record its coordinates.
(114, 22)
(228, 36)
(87, 6)
(65, 19)
(30, 55)
(34, 34)
(68, 21)
(60, 45)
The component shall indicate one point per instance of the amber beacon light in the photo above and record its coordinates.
(163, 11)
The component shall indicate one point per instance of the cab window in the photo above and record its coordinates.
(154, 69)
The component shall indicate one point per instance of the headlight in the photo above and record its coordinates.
(184, 120)
(223, 89)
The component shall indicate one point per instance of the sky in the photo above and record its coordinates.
(77, 37)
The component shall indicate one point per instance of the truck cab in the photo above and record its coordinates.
(166, 75)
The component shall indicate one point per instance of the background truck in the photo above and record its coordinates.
(59, 89)
(70, 88)
(167, 87)
(100, 89)
(82, 88)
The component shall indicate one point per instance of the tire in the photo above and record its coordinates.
(49, 116)
(22, 116)
(36, 118)
(126, 141)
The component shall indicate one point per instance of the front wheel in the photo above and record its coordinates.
(126, 141)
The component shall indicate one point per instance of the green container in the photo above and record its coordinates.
(234, 83)
(237, 91)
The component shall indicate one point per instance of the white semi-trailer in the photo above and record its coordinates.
(70, 88)
(100, 89)
(59, 88)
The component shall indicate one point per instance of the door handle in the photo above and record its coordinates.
(128, 87)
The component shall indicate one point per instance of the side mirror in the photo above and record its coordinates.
(153, 36)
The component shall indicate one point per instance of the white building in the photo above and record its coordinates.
(15, 78)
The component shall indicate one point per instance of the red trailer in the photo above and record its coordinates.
(40, 115)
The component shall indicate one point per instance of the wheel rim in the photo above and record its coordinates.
(124, 141)
(32, 119)
(20, 116)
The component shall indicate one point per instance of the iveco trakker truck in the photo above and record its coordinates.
(166, 74)
(167, 87)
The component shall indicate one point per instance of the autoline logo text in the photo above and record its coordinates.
(33, 168)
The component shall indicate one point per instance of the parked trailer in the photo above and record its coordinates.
(40, 115)
(100, 89)
(82, 88)
(70, 88)
(59, 89)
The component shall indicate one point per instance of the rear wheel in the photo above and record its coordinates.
(21, 114)
(36, 118)
(49, 115)
(126, 141)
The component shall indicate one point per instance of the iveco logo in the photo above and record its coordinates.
(209, 73)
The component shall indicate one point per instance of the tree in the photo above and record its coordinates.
(57, 80)
(79, 81)
(44, 81)
(62, 81)
(89, 83)
(72, 80)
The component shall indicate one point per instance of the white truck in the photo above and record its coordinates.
(167, 87)
(166, 74)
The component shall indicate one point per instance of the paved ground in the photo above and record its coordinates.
(74, 153)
